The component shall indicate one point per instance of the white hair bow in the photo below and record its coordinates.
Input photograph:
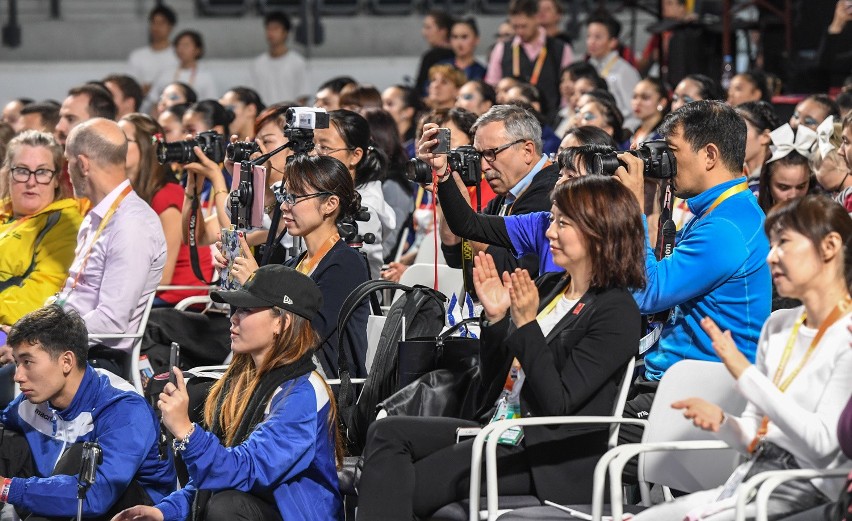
(824, 133)
(784, 141)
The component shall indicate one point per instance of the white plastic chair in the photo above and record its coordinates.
(426, 251)
(492, 433)
(450, 280)
(690, 459)
(134, 377)
(767, 482)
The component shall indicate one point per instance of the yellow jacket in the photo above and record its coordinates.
(50, 260)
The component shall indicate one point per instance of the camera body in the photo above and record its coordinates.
(306, 118)
(211, 144)
(241, 151)
(658, 159)
(465, 160)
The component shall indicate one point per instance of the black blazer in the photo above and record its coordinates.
(575, 370)
(536, 198)
(339, 272)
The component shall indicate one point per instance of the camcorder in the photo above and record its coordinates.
(465, 160)
(211, 144)
(658, 160)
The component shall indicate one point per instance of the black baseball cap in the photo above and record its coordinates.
(275, 285)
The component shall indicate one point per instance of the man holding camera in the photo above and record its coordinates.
(718, 266)
(508, 139)
(64, 404)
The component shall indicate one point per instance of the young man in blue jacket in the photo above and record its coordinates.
(718, 266)
(63, 403)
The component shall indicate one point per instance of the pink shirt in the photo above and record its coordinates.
(125, 266)
(531, 49)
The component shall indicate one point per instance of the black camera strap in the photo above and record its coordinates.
(666, 229)
(193, 246)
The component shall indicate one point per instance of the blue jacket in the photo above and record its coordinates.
(290, 456)
(718, 269)
(108, 410)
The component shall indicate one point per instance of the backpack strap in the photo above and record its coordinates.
(52, 219)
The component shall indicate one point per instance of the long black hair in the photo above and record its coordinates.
(355, 132)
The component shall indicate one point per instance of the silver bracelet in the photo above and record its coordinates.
(180, 445)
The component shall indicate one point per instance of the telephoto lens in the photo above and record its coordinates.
(210, 143)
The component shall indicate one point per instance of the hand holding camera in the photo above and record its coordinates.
(632, 176)
(427, 145)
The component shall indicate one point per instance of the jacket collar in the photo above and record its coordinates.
(701, 202)
(82, 398)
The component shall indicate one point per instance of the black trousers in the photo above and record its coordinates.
(413, 466)
(638, 406)
(16, 461)
(233, 505)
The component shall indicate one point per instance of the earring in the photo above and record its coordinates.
(660, 107)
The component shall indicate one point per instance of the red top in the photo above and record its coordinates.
(171, 196)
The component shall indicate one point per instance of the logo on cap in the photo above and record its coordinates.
(288, 300)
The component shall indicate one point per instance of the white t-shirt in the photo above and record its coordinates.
(199, 79)
(283, 78)
(803, 419)
(146, 64)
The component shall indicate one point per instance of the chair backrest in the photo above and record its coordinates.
(450, 280)
(689, 471)
(426, 251)
(135, 377)
(620, 401)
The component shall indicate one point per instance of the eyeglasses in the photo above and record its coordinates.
(324, 150)
(490, 154)
(285, 197)
(43, 176)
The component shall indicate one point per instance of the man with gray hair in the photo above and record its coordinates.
(509, 139)
(121, 249)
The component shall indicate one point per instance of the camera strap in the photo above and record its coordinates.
(193, 246)
(666, 229)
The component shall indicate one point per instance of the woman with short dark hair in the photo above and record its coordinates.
(558, 346)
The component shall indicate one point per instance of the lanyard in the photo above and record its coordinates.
(724, 196)
(106, 219)
(839, 310)
(552, 304)
(14, 225)
(306, 266)
(539, 63)
(609, 65)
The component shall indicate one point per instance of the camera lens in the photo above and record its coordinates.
(241, 150)
(176, 152)
(419, 171)
(605, 164)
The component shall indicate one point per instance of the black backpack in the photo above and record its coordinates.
(424, 312)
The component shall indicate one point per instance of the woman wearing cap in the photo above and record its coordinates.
(271, 449)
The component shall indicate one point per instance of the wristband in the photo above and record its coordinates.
(446, 175)
(4, 491)
(180, 445)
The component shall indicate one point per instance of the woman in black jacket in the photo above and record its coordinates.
(556, 347)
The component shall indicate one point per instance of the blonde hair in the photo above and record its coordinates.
(36, 139)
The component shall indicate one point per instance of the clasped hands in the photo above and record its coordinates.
(499, 294)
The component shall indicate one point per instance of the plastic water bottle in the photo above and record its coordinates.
(727, 71)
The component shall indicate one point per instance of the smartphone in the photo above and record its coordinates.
(443, 137)
(174, 361)
(466, 432)
(251, 211)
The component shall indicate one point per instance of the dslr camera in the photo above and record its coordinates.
(211, 143)
(659, 161)
(465, 160)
